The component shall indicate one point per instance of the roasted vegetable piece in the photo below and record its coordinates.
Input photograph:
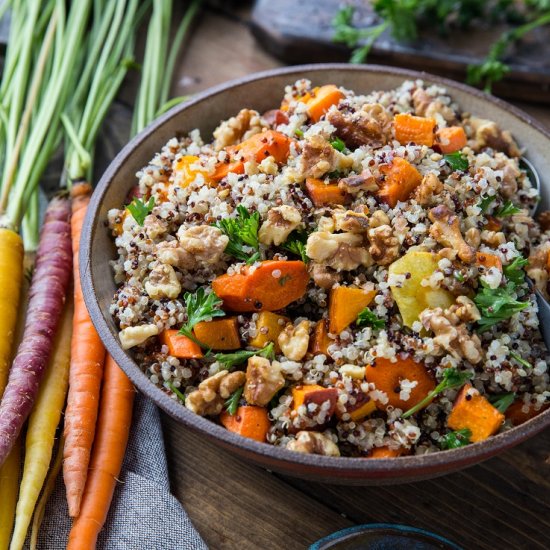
(304, 395)
(180, 346)
(270, 286)
(388, 377)
(411, 297)
(224, 168)
(360, 406)
(262, 145)
(345, 304)
(487, 260)
(402, 178)
(321, 99)
(248, 421)
(409, 128)
(451, 139)
(517, 415)
(221, 334)
(268, 327)
(320, 341)
(386, 452)
(325, 194)
(185, 172)
(473, 411)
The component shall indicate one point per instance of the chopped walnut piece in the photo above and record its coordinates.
(172, 253)
(446, 231)
(237, 128)
(473, 237)
(313, 443)
(350, 220)
(163, 283)
(451, 333)
(488, 134)
(263, 380)
(544, 220)
(427, 106)
(428, 189)
(208, 399)
(340, 251)
(134, 336)
(378, 218)
(364, 181)
(384, 247)
(154, 227)
(369, 125)
(204, 243)
(319, 157)
(537, 268)
(323, 276)
(294, 340)
(281, 221)
(492, 238)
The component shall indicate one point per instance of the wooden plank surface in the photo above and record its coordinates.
(503, 503)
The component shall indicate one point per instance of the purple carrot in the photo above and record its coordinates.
(48, 290)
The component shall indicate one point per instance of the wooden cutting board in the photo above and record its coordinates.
(301, 32)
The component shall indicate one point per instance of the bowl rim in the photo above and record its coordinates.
(348, 467)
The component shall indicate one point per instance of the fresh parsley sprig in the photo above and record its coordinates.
(507, 209)
(296, 243)
(242, 232)
(232, 404)
(457, 161)
(452, 378)
(503, 401)
(367, 317)
(200, 306)
(140, 210)
(514, 271)
(230, 360)
(455, 440)
(497, 304)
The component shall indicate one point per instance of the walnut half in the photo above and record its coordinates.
(384, 247)
(294, 340)
(340, 251)
(263, 380)
(446, 231)
(211, 394)
(281, 221)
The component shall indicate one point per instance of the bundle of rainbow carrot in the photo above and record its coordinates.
(62, 71)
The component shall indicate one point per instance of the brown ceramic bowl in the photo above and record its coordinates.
(263, 91)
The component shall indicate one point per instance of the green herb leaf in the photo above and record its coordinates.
(243, 235)
(521, 360)
(514, 271)
(452, 378)
(230, 360)
(140, 210)
(458, 276)
(369, 318)
(457, 161)
(299, 132)
(507, 209)
(232, 404)
(173, 388)
(200, 307)
(503, 401)
(338, 144)
(296, 243)
(486, 202)
(454, 440)
(497, 304)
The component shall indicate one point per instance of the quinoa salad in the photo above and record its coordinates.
(344, 275)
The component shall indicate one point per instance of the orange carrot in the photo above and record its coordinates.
(248, 421)
(270, 286)
(517, 415)
(221, 334)
(180, 346)
(451, 139)
(487, 261)
(320, 100)
(313, 393)
(113, 428)
(409, 128)
(265, 144)
(225, 168)
(325, 194)
(387, 377)
(85, 373)
(345, 304)
(402, 178)
(385, 452)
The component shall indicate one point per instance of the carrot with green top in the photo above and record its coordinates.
(113, 428)
(42, 426)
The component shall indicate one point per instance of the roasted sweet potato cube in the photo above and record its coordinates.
(345, 304)
(517, 415)
(180, 346)
(304, 395)
(221, 334)
(268, 327)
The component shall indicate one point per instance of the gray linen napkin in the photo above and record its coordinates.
(144, 514)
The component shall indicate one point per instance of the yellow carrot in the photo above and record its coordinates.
(9, 484)
(42, 426)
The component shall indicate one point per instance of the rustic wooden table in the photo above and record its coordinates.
(503, 503)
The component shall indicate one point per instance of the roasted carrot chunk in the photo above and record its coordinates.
(402, 178)
(268, 327)
(451, 139)
(248, 421)
(185, 170)
(304, 395)
(321, 341)
(517, 415)
(220, 334)
(493, 224)
(488, 260)
(386, 452)
(474, 412)
(320, 100)
(263, 145)
(360, 406)
(388, 378)
(224, 168)
(409, 128)
(325, 194)
(345, 304)
(180, 346)
(268, 287)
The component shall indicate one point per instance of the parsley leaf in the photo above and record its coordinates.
(503, 401)
(232, 403)
(140, 210)
(296, 243)
(507, 209)
(299, 132)
(230, 360)
(485, 202)
(455, 440)
(457, 161)
(497, 304)
(200, 307)
(338, 144)
(369, 318)
(514, 271)
(243, 235)
(452, 378)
